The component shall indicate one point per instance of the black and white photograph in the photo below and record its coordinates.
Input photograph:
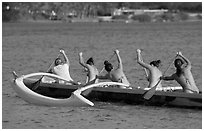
(101, 65)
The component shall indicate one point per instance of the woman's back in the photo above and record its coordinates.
(63, 71)
(154, 72)
(154, 77)
(92, 73)
(119, 76)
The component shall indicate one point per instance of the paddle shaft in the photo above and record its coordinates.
(50, 66)
(38, 82)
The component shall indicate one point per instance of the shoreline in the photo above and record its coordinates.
(96, 20)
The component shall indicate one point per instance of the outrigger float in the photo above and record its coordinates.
(56, 94)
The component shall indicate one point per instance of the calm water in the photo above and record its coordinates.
(31, 47)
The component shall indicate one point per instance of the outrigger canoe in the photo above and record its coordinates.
(55, 94)
(23, 87)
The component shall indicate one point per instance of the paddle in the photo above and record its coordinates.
(148, 94)
(37, 83)
(108, 60)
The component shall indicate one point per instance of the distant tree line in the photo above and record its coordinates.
(13, 11)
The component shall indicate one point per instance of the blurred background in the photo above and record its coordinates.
(102, 11)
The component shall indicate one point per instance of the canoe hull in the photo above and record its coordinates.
(137, 99)
(130, 96)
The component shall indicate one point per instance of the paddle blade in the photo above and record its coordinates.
(148, 94)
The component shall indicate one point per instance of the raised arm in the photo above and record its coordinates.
(65, 56)
(185, 59)
(140, 61)
(81, 60)
(120, 65)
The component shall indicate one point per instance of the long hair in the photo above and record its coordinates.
(156, 63)
(108, 66)
(56, 61)
(90, 61)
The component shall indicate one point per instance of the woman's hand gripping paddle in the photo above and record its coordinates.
(148, 94)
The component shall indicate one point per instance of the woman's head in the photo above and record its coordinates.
(155, 63)
(58, 61)
(108, 66)
(178, 63)
(90, 61)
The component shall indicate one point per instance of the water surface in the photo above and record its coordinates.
(31, 47)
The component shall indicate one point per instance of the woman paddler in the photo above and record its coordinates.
(92, 72)
(62, 69)
(91, 69)
(183, 74)
(154, 73)
(115, 75)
